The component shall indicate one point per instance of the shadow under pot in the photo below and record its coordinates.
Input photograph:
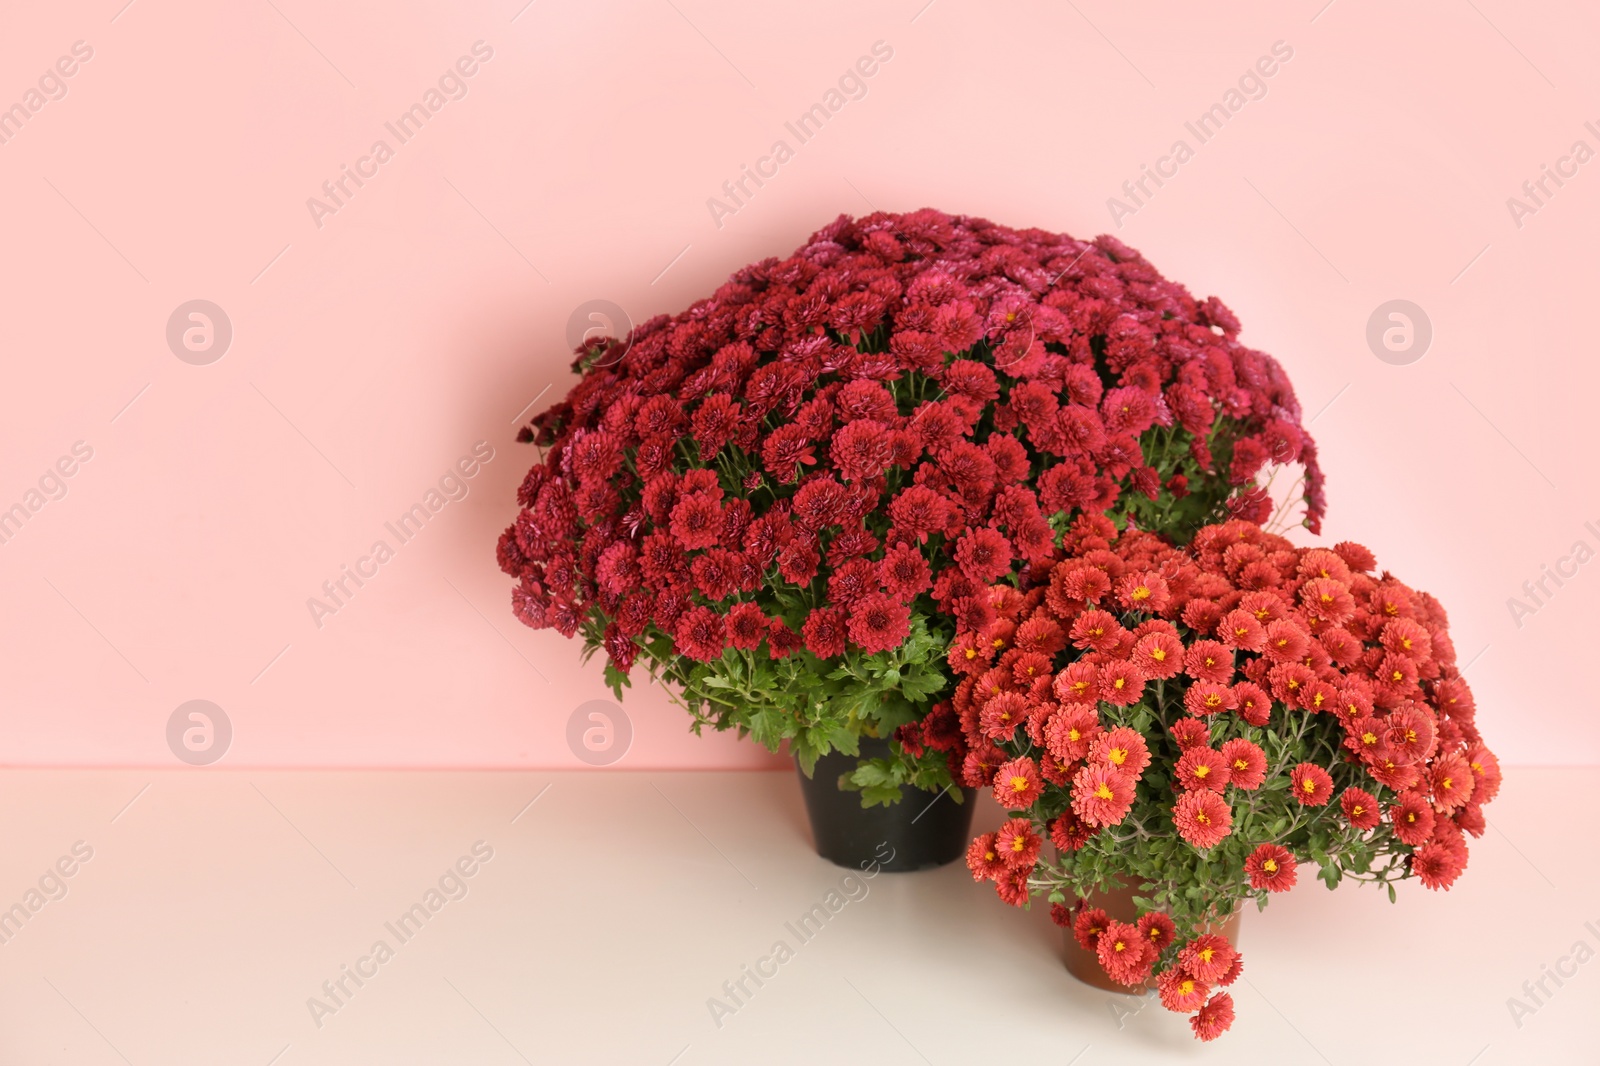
(922, 831)
(1118, 905)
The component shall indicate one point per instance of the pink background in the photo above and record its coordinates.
(372, 352)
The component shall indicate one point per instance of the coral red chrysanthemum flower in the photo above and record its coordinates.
(1181, 992)
(1069, 832)
(1253, 704)
(1145, 591)
(1087, 927)
(1097, 631)
(1272, 867)
(1157, 929)
(1240, 629)
(1247, 763)
(1209, 660)
(1207, 957)
(984, 858)
(1017, 784)
(1452, 782)
(1201, 767)
(1208, 697)
(1213, 1019)
(1202, 818)
(1412, 819)
(1002, 714)
(1287, 641)
(1071, 731)
(1121, 683)
(1311, 784)
(1436, 865)
(1159, 655)
(1188, 732)
(1018, 844)
(1360, 808)
(1078, 683)
(1012, 887)
(1123, 954)
(1122, 749)
(1101, 794)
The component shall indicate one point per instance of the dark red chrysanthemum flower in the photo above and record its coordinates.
(824, 632)
(983, 554)
(700, 634)
(746, 626)
(879, 622)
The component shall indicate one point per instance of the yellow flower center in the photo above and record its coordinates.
(1202, 770)
(1158, 654)
(1141, 593)
(1019, 784)
(1308, 785)
(1103, 791)
(1118, 755)
(1271, 866)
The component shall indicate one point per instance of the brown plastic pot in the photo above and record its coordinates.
(1118, 904)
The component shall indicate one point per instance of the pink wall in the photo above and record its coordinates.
(371, 352)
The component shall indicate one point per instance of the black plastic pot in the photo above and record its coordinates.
(923, 830)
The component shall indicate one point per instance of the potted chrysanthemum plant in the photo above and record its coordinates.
(785, 500)
(1188, 728)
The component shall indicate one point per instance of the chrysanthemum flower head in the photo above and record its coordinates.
(1360, 809)
(1017, 784)
(1310, 784)
(1157, 929)
(1247, 763)
(984, 858)
(1272, 867)
(1207, 957)
(1180, 991)
(1018, 844)
(1213, 1019)
(1201, 767)
(1202, 818)
(1087, 927)
(1101, 794)
(1123, 954)
(1122, 749)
